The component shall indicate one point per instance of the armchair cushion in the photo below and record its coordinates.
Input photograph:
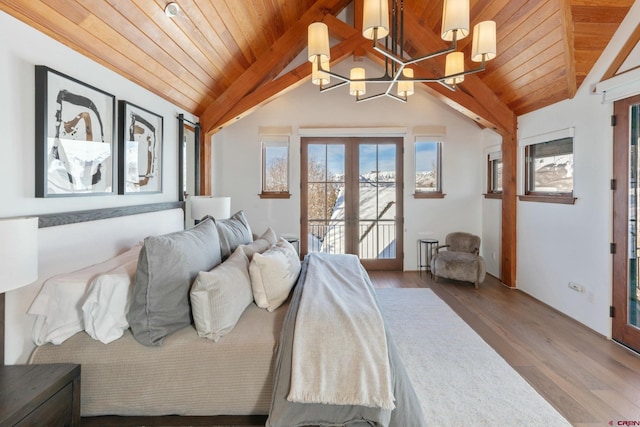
(463, 242)
(459, 266)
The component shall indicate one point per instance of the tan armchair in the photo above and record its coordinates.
(460, 260)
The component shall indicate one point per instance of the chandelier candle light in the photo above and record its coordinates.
(375, 26)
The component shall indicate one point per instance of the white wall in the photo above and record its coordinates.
(562, 243)
(21, 48)
(236, 159)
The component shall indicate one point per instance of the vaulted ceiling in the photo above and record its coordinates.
(221, 59)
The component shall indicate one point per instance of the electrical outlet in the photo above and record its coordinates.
(576, 287)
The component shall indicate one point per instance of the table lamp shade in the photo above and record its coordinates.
(18, 252)
(217, 207)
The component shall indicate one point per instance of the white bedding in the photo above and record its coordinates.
(58, 307)
(107, 302)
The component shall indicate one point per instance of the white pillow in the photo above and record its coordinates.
(273, 274)
(289, 250)
(58, 305)
(220, 296)
(261, 244)
(107, 303)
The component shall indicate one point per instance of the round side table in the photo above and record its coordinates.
(427, 246)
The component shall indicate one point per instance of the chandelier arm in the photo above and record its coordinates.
(383, 79)
(390, 94)
(404, 62)
(338, 76)
(377, 95)
(397, 98)
(441, 52)
(387, 54)
(452, 88)
(398, 77)
(328, 88)
(480, 68)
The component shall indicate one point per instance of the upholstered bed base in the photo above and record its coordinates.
(187, 376)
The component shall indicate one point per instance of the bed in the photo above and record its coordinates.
(199, 365)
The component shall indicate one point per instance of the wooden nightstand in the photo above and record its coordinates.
(40, 395)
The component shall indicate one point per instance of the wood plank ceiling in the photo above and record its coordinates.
(219, 59)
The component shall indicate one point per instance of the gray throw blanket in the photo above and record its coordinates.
(339, 345)
(285, 413)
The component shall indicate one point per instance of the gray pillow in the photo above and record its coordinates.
(167, 266)
(220, 296)
(233, 232)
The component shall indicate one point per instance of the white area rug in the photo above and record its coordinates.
(459, 378)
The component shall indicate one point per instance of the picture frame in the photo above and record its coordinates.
(140, 137)
(75, 144)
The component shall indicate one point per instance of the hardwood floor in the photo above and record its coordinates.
(590, 380)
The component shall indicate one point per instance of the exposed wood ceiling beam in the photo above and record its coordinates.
(634, 39)
(285, 83)
(273, 62)
(569, 48)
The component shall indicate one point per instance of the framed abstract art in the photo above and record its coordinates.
(140, 147)
(75, 128)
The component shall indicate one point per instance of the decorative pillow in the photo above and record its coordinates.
(220, 296)
(167, 266)
(107, 303)
(273, 274)
(289, 250)
(58, 306)
(233, 232)
(261, 244)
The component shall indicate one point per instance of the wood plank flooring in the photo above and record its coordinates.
(590, 380)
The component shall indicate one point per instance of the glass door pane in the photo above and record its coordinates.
(633, 282)
(377, 200)
(325, 198)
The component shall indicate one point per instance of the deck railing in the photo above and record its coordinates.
(376, 238)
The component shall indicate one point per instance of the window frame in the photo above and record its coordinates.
(492, 159)
(529, 174)
(437, 193)
(273, 141)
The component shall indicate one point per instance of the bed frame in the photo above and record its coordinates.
(70, 241)
(175, 420)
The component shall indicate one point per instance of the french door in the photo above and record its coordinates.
(626, 275)
(351, 195)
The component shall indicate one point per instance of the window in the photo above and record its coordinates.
(428, 159)
(549, 171)
(275, 167)
(494, 175)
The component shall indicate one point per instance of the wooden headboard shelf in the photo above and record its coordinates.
(51, 220)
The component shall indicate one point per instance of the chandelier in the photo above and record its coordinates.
(398, 73)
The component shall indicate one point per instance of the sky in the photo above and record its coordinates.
(372, 157)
